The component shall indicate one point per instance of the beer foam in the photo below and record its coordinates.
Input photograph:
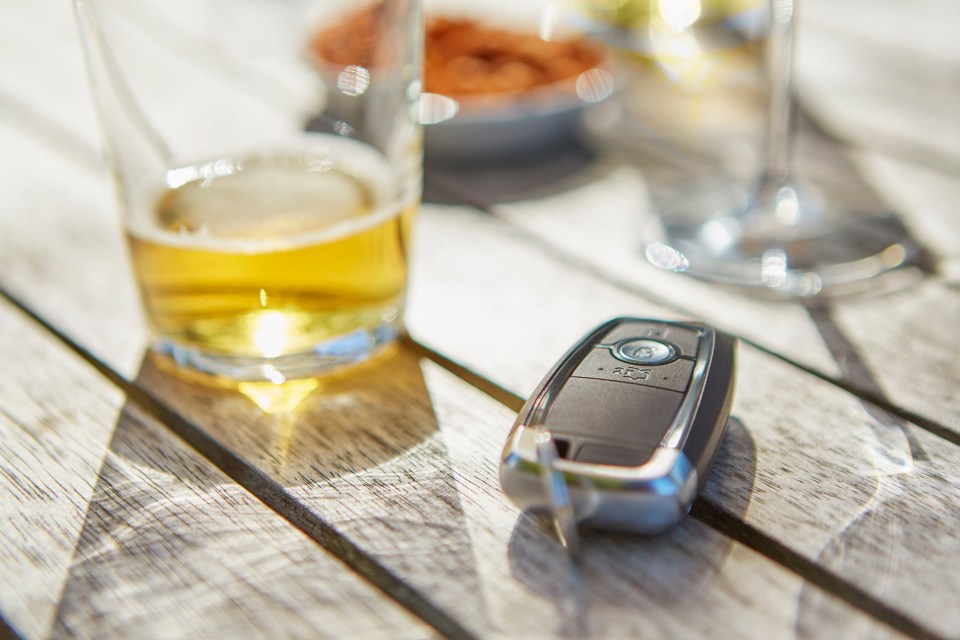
(319, 191)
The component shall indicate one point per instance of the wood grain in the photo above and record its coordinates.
(401, 457)
(573, 227)
(824, 461)
(387, 483)
(884, 77)
(369, 453)
(57, 423)
(111, 528)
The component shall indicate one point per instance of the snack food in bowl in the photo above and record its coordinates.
(465, 58)
(488, 89)
(491, 90)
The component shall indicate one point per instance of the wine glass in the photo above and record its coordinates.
(782, 237)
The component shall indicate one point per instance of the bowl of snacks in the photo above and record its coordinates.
(492, 90)
(498, 78)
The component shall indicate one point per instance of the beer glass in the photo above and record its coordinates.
(267, 156)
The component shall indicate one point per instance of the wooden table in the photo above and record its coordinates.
(137, 504)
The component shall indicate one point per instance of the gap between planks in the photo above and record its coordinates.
(729, 525)
(268, 491)
(571, 260)
(7, 632)
(82, 154)
(273, 495)
(285, 505)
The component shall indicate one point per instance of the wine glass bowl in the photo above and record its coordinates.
(782, 236)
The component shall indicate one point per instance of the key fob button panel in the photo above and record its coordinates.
(600, 364)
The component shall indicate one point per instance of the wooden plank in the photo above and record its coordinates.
(110, 525)
(927, 196)
(401, 458)
(393, 484)
(871, 336)
(829, 471)
(437, 505)
(598, 223)
(43, 65)
(575, 224)
(51, 454)
(45, 99)
(878, 94)
(925, 28)
(68, 204)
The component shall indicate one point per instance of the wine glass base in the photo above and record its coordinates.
(793, 247)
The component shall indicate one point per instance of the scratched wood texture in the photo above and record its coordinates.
(414, 484)
(822, 461)
(113, 528)
(884, 93)
(860, 343)
(401, 458)
(417, 489)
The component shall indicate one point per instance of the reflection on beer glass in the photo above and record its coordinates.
(268, 161)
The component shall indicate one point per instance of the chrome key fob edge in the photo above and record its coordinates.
(653, 495)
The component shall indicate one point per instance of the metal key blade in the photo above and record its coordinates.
(558, 494)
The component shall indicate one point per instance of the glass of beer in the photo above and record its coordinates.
(268, 160)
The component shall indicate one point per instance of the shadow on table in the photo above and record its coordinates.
(484, 183)
(902, 516)
(360, 450)
(172, 550)
(645, 574)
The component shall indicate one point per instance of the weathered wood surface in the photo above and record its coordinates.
(423, 494)
(399, 457)
(573, 226)
(823, 460)
(574, 215)
(886, 76)
(113, 528)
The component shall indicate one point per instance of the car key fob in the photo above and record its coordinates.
(635, 411)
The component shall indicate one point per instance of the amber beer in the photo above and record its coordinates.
(268, 256)
(267, 192)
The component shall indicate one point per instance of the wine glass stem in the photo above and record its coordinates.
(780, 108)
